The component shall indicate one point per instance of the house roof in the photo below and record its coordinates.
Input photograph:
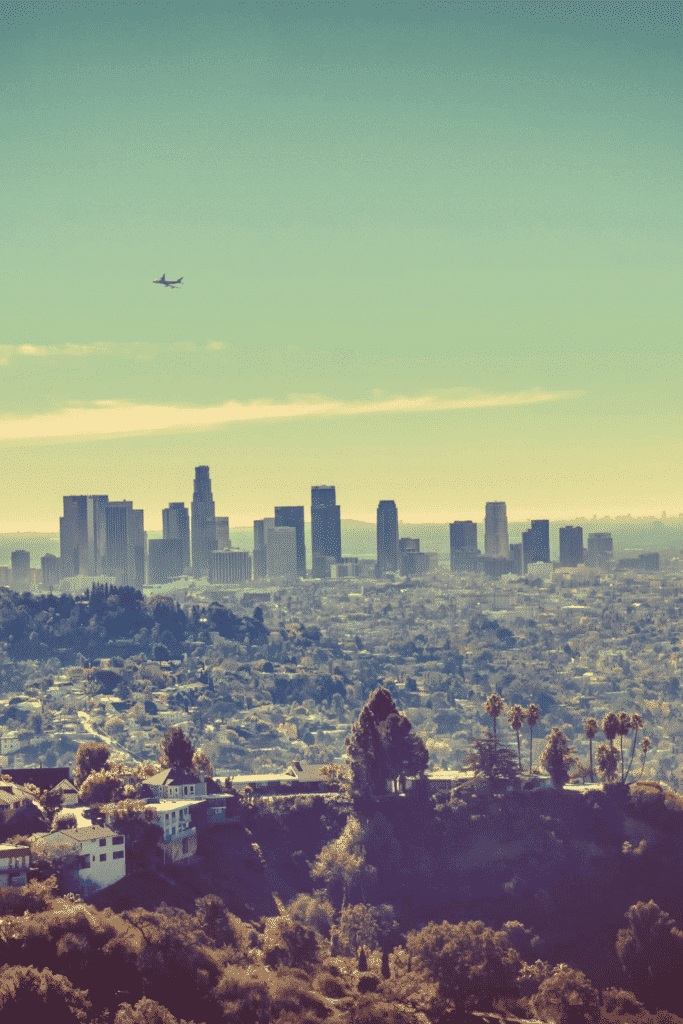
(64, 786)
(174, 777)
(87, 832)
(43, 778)
(305, 772)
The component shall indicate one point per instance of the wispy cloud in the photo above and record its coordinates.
(120, 419)
(8, 352)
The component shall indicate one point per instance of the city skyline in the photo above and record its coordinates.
(427, 250)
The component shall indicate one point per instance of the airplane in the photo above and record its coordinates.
(168, 284)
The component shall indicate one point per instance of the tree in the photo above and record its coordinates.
(591, 727)
(146, 1011)
(610, 727)
(176, 750)
(27, 994)
(201, 764)
(567, 997)
(636, 724)
(494, 707)
(471, 964)
(381, 746)
(215, 920)
(623, 729)
(90, 757)
(650, 950)
(137, 822)
(64, 819)
(533, 717)
(516, 718)
(644, 746)
(404, 752)
(557, 757)
(607, 762)
(492, 761)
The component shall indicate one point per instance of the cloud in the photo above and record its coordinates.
(121, 419)
(37, 351)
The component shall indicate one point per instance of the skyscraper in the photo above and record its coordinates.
(325, 531)
(281, 553)
(222, 533)
(73, 535)
(165, 560)
(496, 542)
(387, 537)
(121, 536)
(176, 526)
(203, 523)
(51, 574)
(536, 542)
(599, 553)
(463, 544)
(293, 515)
(571, 545)
(260, 561)
(233, 566)
(96, 514)
(21, 570)
(139, 547)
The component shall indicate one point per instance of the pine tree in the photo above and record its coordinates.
(557, 757)
(176, 750)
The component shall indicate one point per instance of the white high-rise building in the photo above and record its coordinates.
(496, 540)
(281, 552)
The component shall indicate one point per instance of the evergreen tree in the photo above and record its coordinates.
(90, 757)
(557, 757)
(494, 762)
(176, 750)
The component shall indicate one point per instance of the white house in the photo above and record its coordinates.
(173, 783)
(180, 835)
(14, 864)
(11, 741)
(101, 852)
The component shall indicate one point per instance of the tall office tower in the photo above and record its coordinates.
(121, 537)
(387, 537)
(599, 551)
(139, 546)
(281, 553)
(293, 515)
(222, 533)
(165, 560)
(175, 521)
(49, 565)
(96, 517)
(536, 542)
(325, 531)
(260, 527)
(571, 546)
(463, 538)
(517, 559)
(21, 570)
(496, 542)
(203, 523)
(73, 535)
(233, 566)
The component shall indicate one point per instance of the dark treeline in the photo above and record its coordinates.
(49, 625)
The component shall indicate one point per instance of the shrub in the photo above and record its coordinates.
(367, 983)
(329, 986)
(616, 1000)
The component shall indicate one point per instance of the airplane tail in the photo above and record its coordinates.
(179, 280)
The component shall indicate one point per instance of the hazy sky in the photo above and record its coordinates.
(431, 251)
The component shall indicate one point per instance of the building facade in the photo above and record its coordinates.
(50, 568)
(175, 522)
(73, 535)
(281, 552)
(463, 545)
(21, 570)
(14, 864)
(260, 557)
(222, 533)
(325, 531)
(496, 540)
(387, 537)
(121, 535)
(165, 560)
(536, 542)
(232, 566)
(203, 511)
(101, 853)
(293, 516)
(571, 546)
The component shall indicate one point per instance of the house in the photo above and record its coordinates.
(308, 776)
(14, 864)
(266, 783)
(12, 741)
(101, 852)
(180, 834)
(12, 800)
(68, 792)
(174, 783)
(215, 809)
(43, 778)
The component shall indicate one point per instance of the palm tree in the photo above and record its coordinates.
(591, 727)
(644, 746)
(494, 706)
(610, 726)
(533, 716)
(636, 724)
(623, 730)
(516, 718)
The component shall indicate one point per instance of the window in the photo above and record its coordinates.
(181, 812)
(172, 831)
(84, 862)
(103, 842)
(118, 854)
(185, 791)
(173, 814)
(103, 856)
(191, 789)
(166, 817)
(186, 845)
(117, 841)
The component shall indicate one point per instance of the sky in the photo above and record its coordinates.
(430, 252)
